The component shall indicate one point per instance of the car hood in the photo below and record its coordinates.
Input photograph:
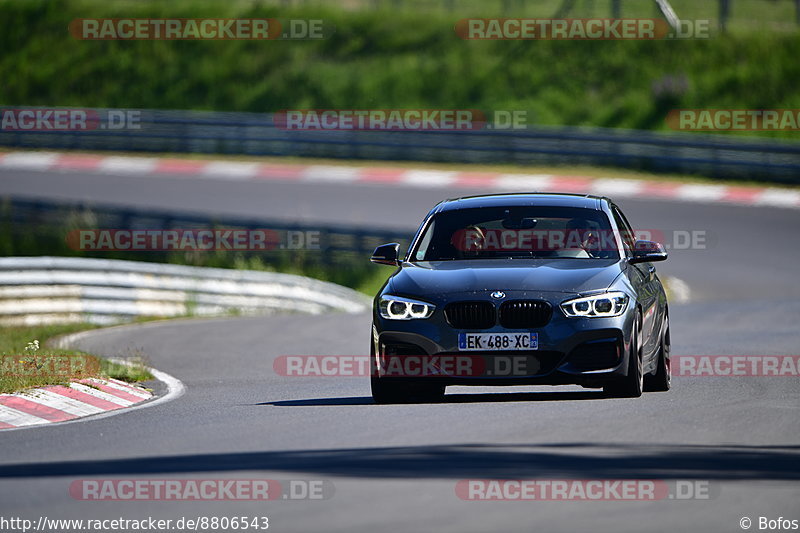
(530, 275)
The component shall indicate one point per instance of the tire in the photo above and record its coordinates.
(384, 391)
(661, 381)
(404, 390)
(388, 390)
(631, 386)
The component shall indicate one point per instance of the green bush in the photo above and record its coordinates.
(385, 59)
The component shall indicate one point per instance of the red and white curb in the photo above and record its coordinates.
(60, 403)
(394, 176)
(57, 404)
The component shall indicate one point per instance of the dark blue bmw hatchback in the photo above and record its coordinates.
(514, 289)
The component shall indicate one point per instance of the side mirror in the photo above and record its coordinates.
(647, 252)
(386, 254)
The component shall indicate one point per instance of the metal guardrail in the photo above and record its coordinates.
(336, 241)
(49, 290)
(70, 289)
(721, 156)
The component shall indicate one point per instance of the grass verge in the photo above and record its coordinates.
(27, 362)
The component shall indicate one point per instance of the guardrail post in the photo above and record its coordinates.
(724, 13)
(616, 9)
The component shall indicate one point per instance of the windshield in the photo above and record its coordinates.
(517, 232)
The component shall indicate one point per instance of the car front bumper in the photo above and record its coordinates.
(571, 350)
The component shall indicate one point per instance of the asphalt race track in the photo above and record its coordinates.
(395, 468)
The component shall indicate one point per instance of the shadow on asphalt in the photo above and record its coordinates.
(581, 460)
(453, 398)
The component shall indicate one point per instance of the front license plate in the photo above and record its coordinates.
(487, 342)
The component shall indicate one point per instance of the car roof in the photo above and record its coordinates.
(523, 199)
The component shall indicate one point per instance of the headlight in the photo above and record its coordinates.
(600, 305)
(396, 308)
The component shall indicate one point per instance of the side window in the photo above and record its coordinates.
(626, 232)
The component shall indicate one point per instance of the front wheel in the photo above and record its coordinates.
(661, 381)
(403, 390)
(631, 386)
(388, 390)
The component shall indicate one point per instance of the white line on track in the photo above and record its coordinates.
(331, 173)
(231, 169)
(701, 193)
(30, 160)
(779, 198)
(617, 187)
(128, 165)
(523, 182)
(428, 178)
